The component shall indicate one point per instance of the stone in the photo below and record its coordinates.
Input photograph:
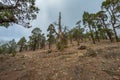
(82, 47)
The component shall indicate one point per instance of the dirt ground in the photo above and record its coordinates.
(70, 64)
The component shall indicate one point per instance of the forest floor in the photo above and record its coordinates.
(99, 61)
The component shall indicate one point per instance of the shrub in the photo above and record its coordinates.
(8, 48)
(91, 52)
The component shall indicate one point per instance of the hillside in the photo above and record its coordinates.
(99, 61)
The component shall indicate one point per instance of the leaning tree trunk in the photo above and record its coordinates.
(107, 31)
(109, 34)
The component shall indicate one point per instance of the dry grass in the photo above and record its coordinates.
(70, 64)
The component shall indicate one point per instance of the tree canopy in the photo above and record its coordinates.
(20, 12)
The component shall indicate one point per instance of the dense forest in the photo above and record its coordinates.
(90, 50)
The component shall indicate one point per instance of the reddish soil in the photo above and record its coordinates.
(70, 64)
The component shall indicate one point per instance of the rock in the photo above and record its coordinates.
(119, 68)
(82, 47)
(116, 78)
(91, 52)
(49, 51)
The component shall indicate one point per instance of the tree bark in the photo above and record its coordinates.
(92, 35)
(107, 31)
(116, 37)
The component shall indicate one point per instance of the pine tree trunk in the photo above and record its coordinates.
(92, 35)
(97, 35)
(116, 37)
(49, 45)
(34, 46)
(20, 49)
(108, 33)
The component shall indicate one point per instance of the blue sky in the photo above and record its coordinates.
(72, 11)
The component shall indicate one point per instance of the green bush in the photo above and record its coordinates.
(60, 46)
(8, 48)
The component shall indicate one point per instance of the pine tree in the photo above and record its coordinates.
(51, 35)
(22, 43)
(17, 11)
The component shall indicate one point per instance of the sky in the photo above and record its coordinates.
(72, 11)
